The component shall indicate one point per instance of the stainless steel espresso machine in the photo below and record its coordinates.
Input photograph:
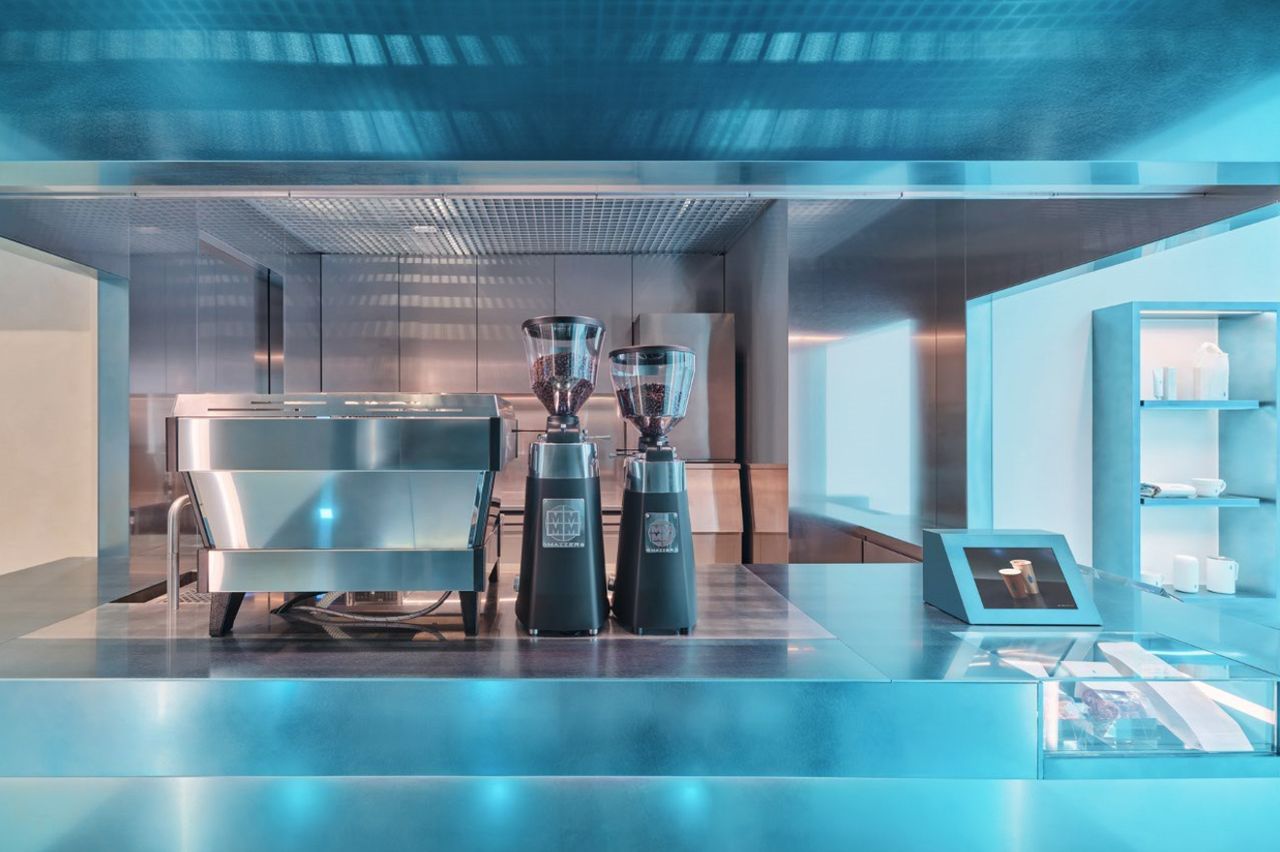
(342, 492)
(654, 589)
(562, 584)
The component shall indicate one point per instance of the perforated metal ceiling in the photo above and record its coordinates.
(493, 226)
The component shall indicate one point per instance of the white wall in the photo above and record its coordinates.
(48, 422)
(1042, 453)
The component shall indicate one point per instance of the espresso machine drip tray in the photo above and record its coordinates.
(342, 492)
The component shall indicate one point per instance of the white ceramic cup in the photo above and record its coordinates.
(1221, 574)
(1157, 383)
(1186, 573)
(1209, 487)
(1152, 578)
(1170, 382)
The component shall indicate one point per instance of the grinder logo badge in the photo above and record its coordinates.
(563, 522)
(661, 532)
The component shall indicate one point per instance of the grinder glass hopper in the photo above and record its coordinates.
(563, 353)
(652, 384)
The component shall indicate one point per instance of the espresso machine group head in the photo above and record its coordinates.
(562, 583)
(654, 587)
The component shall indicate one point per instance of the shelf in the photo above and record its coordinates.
(1204, 404)
(1227, 501)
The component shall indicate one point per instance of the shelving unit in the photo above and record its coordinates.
(1174, 440)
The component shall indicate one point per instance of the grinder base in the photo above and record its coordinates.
(654, 590)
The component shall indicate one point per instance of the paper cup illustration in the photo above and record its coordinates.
(1016, 582)
(1028, 574)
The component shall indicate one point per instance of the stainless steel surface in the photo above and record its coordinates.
(438, 324)
(173, 575)
(341, 569)
(709, 429)
(598, 286)
(652, 385)
(302, 320)
(654, 477)
(231, 329)
(756, 292)
(341, 432)
(677, 284)
(563, 461)
(360, 333)
(342, 491)
(509, 291)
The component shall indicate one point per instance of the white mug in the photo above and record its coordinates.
(1221, 574)
(1209, 487)
(1186, 573)
(1152, 578)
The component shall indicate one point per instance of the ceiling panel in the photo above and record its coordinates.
(501, 226)
(625, 80)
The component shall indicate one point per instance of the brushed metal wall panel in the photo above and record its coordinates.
(597, 286)
(360, 336)
(438, 324)
(509, 290)
(302, 323)
(227, 312)
(708, 432)
(678, 283)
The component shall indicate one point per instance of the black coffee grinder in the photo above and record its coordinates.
(654, 588)
(562, 584)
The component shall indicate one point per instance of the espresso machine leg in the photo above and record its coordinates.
(470, 612)
(223, 609)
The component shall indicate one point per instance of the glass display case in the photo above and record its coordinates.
(1136, 694)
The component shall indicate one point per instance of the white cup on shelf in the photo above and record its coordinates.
(1208, 486)
(1186, 573)
(1221, 574)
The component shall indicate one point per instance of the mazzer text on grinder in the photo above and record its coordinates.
(562, 583)
(654, 586)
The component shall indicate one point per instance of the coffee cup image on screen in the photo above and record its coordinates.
(1019, 578)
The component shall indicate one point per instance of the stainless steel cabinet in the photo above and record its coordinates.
(438, 324)
(361, 335)
(509, 291)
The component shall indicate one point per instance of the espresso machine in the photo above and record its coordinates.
(562, 584)
(654, 587)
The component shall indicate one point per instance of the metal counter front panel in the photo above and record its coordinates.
(770, 728)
